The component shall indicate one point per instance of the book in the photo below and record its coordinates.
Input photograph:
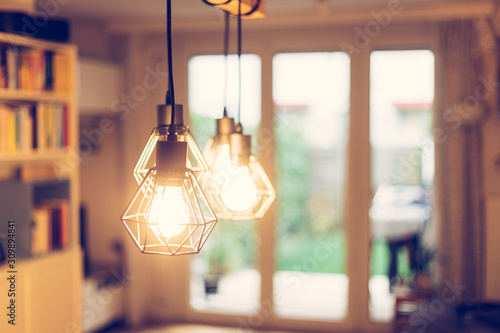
(3, 65)
(32, 69)
(50, 226)
(23, 70)
(12, 66)
(37, 172)
(28, 127)
(60, 69)
(40, 230)
(49, 71)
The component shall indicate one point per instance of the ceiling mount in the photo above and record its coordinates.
(249, 8)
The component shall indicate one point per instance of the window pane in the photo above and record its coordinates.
(402, 93)
(224, 277)
(311, 95)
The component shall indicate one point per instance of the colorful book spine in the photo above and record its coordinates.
(33, 127)
(12, 67)
(32, 70)
(3, 66)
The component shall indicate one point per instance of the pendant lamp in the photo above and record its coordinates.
(169, 213)
(237, 185)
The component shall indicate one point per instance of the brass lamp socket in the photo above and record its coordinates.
(240, 148)
(225, 126)
(171, 162)
(164, 115)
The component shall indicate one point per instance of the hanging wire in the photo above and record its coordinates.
(171, 90)
(226, 61)
(239, 61)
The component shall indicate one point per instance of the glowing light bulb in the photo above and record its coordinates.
(169, 211)
(239, 191)
(221, 159)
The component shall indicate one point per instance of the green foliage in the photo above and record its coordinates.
(233, 247)
(302, 227)
(305, 254)
(293, 166)
(380, 257)
(403, 263)
(203, 128)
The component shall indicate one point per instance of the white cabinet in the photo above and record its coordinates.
(47, 294)
(492, 248)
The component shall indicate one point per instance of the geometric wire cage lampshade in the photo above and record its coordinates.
(237, 186)
(169, 213)
(217, 147)
(147, 160)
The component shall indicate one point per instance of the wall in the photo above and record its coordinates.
(491, 183)
(100, 170)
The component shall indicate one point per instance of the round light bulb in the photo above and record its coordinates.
(169, 211)
(239, 191)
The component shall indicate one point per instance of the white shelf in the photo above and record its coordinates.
(35, 43)
(50, 283)
(26, 96)
(35, 156)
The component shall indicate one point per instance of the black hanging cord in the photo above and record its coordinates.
(226, 54)
(239, 61)
(171, 91)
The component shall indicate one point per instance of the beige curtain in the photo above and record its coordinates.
(461, 107)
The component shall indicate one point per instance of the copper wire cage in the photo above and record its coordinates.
(195, 160)
(147, 160)
(215, 180)
(143, 223)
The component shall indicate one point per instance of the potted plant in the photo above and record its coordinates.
(422, 268)
(230, 255)
(217, 267)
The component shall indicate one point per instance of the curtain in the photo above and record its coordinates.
(463, 76)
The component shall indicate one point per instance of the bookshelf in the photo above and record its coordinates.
(39, 183)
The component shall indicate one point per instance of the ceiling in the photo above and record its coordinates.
(147, 10)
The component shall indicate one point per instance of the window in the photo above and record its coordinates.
(335, 119)
(311, 97)
(224, 277)
(402, 93)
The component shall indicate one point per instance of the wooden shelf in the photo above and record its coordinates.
(26, 96)
(35, 43)
(46, 283)
(35, 156)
